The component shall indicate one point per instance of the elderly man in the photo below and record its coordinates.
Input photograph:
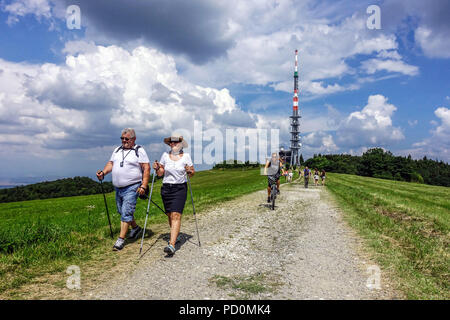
(130, 169)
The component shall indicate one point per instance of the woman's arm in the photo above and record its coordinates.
(190, 170)
(159, 168)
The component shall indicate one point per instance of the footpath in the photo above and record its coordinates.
(301, 250)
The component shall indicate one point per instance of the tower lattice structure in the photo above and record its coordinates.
(295, 119)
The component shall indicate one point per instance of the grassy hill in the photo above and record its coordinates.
(45, 236)
(68, 187)
(406, 227)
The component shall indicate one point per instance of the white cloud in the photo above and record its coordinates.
(261, 36)
(372, 126)
(413, 123)
(443, 131)
(434, 44)
(389, 54)
(264, 54)
(373, 65)
(20, 8)
(319, 142)
(81, 103)
(437, 146)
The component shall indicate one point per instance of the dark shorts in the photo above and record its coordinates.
(174, 196)
(272, 179)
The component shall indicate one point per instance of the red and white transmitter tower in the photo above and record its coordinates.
(295, 123)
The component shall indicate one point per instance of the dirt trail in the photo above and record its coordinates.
(302, 250)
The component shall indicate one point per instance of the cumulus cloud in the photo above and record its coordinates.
(268, 59)
(434, 44)
(81, 103)
(437, 146)
(250, 42)
(372, 126)
(443, 131)
(319, 142)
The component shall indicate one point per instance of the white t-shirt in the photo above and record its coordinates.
(131, 172)
(174, 171)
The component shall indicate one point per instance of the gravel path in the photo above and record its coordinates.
(302, 250)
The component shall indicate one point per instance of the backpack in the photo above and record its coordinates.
(135, 150)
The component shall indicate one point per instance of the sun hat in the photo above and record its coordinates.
(175, 137)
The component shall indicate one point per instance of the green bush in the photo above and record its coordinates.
(415, 177)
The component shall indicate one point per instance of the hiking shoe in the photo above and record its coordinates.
(120, 243)
(170, 250)
(179, 238)
(134, 233)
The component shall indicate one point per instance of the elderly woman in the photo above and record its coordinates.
(174, 166)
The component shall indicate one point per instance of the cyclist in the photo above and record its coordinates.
(273, 172)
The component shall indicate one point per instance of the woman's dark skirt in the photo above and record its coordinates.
(174, 196)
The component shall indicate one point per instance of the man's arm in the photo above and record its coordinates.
(107, 169)
(145, 175)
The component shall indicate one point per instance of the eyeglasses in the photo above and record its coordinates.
(125, 138)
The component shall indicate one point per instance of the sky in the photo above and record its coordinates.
(70, 83)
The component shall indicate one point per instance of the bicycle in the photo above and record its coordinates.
(273, 191)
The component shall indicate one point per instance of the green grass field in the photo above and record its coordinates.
(45, 236)
(406, 227)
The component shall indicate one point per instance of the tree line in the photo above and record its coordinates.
(68, 187)
(379, 163)
(235, 164)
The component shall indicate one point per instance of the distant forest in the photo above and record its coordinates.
(235, 164)
(375, 162)
(379, 163)
(53, 189)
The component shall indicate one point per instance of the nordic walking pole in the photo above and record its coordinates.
(148, 209)
(158, 207)
(107, 212)
(193, 208)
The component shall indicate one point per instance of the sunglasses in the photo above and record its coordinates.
(125, 138)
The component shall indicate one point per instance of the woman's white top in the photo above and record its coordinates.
(174, 171)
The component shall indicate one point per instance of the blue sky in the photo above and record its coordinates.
(65, 94)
